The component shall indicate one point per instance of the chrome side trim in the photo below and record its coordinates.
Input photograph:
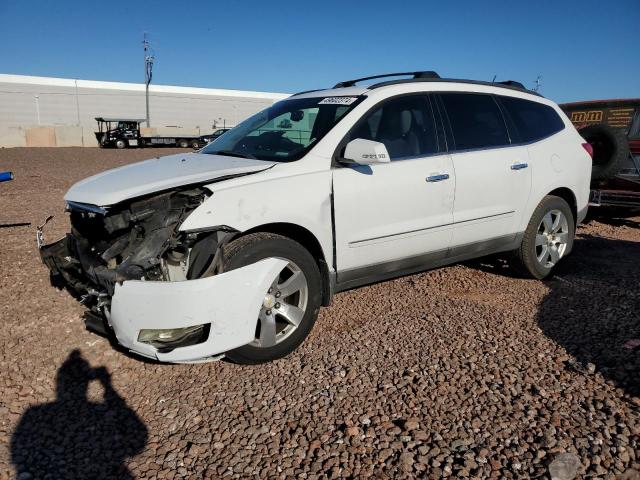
(360, 276)
(356, 242)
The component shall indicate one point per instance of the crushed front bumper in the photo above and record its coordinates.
(228, 304)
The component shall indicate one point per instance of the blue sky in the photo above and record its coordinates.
(583, 49)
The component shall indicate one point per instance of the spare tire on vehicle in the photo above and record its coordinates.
(610, 150)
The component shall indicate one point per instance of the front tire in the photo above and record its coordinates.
(291, 304)
(120, 144)
(547, 239)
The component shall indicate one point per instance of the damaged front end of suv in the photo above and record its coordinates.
(160, 290)
(136, 241)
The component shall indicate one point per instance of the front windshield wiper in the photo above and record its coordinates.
(231, 153)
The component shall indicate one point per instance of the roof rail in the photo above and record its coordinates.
(351, 83)
(511, 83)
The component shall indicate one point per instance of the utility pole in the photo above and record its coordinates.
(148, 70)
(538, 83)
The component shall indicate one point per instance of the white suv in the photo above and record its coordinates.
(233, 249)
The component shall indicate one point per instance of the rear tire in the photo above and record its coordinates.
(258, 246)
(610, 150)
(547, 239)
(183, 144)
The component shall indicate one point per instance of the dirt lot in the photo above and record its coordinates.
(463, 372)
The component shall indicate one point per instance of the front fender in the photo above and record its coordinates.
(302, 199)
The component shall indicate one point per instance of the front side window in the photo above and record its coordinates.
(405, 125)
(285, 131)
(476, 120)
(533, 120)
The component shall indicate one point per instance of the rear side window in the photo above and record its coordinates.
(533, 120)
(404, 124)
(476, 120)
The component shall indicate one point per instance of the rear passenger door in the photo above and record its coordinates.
(493, 179)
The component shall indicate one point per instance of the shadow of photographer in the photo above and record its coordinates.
(74, 437)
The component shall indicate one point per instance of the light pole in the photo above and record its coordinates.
(37, 99)
(148, 70)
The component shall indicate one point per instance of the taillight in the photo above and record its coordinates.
(589, 148)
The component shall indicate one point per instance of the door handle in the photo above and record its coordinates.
(519, 166)
(438, 177)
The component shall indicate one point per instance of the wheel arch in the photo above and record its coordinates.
(568, 196)
(309, 241)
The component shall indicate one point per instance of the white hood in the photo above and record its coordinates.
(157, 174)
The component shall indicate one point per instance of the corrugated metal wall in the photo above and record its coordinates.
(26, 102)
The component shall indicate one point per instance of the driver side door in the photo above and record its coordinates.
(394, 217)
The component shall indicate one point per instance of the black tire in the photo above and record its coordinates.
(258, 246)
(183, 143)
(120, 144)
(195, 144)
(610, 150)
(142, 143)
(526, 261)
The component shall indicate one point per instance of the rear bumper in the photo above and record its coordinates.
(227, 304)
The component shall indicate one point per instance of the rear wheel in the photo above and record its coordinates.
(290, 305)
(183, 143)
(547, 239)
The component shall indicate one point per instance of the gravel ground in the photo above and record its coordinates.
(462, 372)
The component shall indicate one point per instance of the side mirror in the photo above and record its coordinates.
(365, 152)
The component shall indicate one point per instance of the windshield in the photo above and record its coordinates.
(285, 131)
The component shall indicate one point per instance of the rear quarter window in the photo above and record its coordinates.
(533, 121)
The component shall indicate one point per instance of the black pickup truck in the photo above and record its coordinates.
(612, 127)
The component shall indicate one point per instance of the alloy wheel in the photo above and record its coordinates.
(283, 307)
(552, 238)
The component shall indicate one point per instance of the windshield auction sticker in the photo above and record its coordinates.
(337, 101)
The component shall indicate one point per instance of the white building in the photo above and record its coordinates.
(36, 111)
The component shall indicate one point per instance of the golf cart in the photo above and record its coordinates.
(119, 132)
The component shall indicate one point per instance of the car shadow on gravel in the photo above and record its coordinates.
(593, 309)
(74, 437)
(616, 217)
